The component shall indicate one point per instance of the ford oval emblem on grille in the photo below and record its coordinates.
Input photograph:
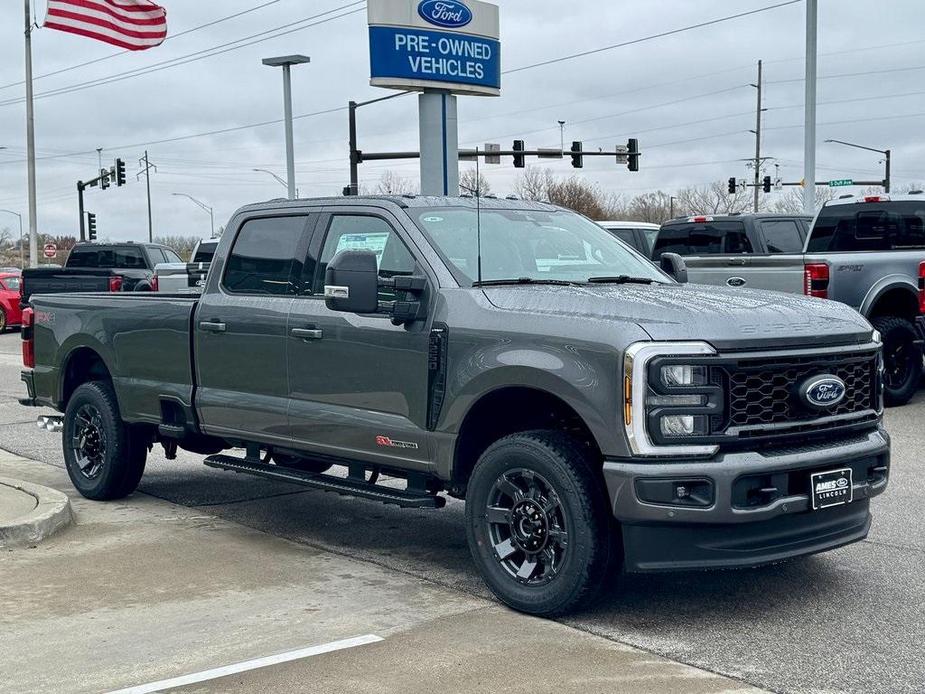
(823, 391)
(444, 13)
(736, 281)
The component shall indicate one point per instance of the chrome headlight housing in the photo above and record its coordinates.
(668, 398)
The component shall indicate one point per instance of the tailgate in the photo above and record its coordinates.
(143, 339)
(783, 273)
(65, 281)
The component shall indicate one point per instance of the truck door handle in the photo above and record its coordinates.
(308, 333)
(738, 261)
(212, 327)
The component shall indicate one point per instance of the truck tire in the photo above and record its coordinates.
(538, 523)
(902, 359)
(104, 456)
(305, 465)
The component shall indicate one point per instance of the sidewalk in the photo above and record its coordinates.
(30, 512)
(142, 591)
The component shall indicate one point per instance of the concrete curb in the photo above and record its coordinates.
(52, 513)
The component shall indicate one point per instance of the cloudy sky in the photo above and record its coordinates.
(686, 97)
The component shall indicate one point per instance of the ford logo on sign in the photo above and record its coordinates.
(823, 392)
(444, 13)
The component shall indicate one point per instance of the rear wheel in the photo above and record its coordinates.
(3, 325)
(902, 359)
(538, 523)
(303, 464)
(104, 456)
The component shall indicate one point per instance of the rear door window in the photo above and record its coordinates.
(703, 238)
(865, 227)
(782, 236)
(627, 236)
(263, 258)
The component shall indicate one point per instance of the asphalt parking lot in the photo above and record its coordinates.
(852, 620)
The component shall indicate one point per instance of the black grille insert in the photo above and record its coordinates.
(764, 391)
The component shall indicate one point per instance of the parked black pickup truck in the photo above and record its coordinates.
(592, 412)
(98, 267)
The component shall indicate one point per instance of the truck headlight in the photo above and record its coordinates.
(657, 414)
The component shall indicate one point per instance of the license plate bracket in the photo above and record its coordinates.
(831, 488)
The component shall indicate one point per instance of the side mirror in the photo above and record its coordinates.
(351, 282)
(674, 265)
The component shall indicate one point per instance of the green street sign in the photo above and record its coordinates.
(840, 182)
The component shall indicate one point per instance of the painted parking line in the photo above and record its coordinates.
(255, 664)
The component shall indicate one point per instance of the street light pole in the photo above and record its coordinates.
(30, 146)
(286, 62)
(281, 181)
(205, 207)
(22, 257)
(809, 116)
(885, 152)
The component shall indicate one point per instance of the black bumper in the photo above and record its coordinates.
(28, 378)
(732, 519)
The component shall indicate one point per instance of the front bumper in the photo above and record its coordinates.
(740, 523)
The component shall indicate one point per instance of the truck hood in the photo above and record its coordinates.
(727, 318)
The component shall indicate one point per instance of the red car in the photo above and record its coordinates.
(10, 313)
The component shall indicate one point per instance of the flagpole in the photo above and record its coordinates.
(30, 145)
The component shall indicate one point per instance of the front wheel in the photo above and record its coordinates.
(538, 524)
(902, 359)
(104, 456)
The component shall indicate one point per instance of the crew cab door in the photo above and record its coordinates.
(240, 329)
(358, 384)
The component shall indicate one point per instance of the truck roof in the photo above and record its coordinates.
(687, 219)
(914, 196)
(408, 201)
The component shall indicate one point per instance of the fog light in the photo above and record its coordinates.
(684, 425)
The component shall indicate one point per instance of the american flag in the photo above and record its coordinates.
(131, 24)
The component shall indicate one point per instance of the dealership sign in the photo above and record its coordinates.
(435, 44)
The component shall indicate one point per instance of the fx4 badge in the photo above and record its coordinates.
(391, 443)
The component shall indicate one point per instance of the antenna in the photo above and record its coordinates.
(478, 212)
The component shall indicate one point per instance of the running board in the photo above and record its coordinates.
(329, 483)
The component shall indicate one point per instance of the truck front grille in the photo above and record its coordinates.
(764, 401)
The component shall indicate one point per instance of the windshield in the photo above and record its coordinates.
(530, 245)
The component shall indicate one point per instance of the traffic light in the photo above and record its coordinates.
(632, 161)
(91, 226)
(732, 186)
(766, 184)
(120, 173)
(578, 161)
(104, 179)
(519, 159)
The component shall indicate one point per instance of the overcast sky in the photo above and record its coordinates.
(604, 99)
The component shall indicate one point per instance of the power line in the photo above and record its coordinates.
(198, 55)
(651, 37)
(853, 74)
(172, 36)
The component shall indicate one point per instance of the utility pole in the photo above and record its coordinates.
(144, 161)
(561, 135)
(886, 181)
(30, 146)
(671, 206)
(99, 157)
(809, 123)
(758, 139)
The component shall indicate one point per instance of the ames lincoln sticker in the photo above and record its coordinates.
(436, 44)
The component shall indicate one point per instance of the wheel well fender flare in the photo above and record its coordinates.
(884, 285)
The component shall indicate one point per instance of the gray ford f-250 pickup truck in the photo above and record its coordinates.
(592, 412)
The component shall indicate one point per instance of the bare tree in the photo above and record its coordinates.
(579, 195)
(534, 183)
(791, 202)
(474, 183)
(654, 208)
(64, 243)
(6, 237)
(391, 183)
(715, 198)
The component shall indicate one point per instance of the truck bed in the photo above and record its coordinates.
(63, 280)
(143, 339)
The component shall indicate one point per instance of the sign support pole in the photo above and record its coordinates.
(439, 137)
(30, 146)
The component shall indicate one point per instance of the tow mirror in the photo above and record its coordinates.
(351, 282)
(675, 266)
